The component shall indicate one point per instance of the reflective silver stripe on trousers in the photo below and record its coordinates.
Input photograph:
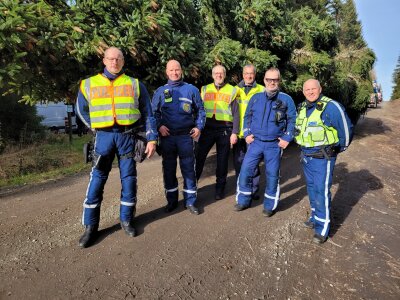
(127, 203)
(326, 191)
(190, 191)
(91, 205)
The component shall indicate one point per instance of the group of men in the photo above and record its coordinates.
(257, 121)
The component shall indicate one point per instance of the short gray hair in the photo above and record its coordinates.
(274, 69)
(250, 66)
(219, 66)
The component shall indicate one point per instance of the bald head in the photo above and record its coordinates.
(173, 70)
(312, 90)
(113, 50)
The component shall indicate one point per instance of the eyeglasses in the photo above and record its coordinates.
(271, 80)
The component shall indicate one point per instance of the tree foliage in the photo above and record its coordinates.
(396, 81)
(47, 47)
(18, 122)
(350, 33)
(35, 44)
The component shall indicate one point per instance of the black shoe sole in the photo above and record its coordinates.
(308, 225)
(319, 240)
(268, 213)
(170, 208)
(130, 234)
(86, 244)
(193, 211)
(240, 208)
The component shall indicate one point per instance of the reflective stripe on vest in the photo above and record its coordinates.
(312, 131)
(243, 101)
(112, 101)
(217, 102)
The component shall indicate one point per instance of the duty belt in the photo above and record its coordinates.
(318, 154)
(324, 152)
(117, 128)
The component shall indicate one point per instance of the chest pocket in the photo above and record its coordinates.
(280, 109)
(185, 105)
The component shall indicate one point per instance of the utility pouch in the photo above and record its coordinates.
(279, 116)
(88, 152)
(140, 146)
(280, 111)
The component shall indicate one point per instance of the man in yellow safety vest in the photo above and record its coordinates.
(222, 126)
(246, 89)
(114, 106)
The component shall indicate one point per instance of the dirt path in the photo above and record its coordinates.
(220, 254)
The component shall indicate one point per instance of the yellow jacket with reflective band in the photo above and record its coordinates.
(218, 102)
(243, 101)
(112, 101)
(312, 131)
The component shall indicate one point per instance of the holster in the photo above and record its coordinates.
(326, 152)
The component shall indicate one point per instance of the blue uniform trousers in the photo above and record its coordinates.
(318, 173)
(181, 146)
(107, 145)
(239, 151)
(271, 153)
(209, 137)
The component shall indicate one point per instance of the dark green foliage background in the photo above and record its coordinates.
(47, 47)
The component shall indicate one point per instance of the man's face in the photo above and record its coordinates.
(113, 60)
(249, 75)
(312, 90)
(218, 75)
(271, 81)
(174, 70)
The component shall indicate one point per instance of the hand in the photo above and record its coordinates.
(164, 131)
(150, 149)
(194, 133)
(282, 143)
(233, 138)
(249, 139)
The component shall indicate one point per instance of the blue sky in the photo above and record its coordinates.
(381, 29)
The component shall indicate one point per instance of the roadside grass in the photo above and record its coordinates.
(48, 159)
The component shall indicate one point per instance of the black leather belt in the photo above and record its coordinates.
(184, 131)
(273, 140)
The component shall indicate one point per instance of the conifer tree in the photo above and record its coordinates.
(396, 82)
(350, 28)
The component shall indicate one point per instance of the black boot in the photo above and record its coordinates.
(219, 193)
(89, 235)
(129, 229)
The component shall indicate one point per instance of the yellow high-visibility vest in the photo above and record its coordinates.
(217, 102)
(312, 131)
(112, 101)
(243, 101)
